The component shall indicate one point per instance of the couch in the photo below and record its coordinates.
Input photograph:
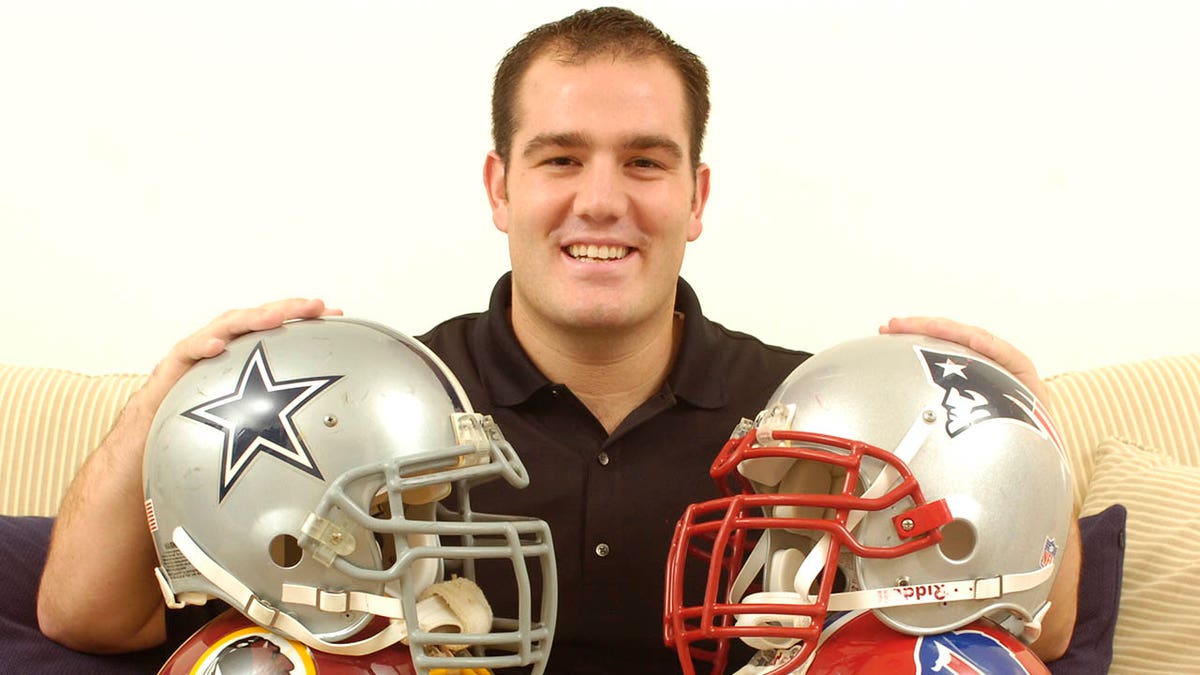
(1131, 433)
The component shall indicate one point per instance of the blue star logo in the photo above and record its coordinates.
(257, 418)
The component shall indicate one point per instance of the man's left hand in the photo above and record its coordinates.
(978, 339)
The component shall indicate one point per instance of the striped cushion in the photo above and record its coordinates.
(1156, 622)
(49, 421)
(1156, 402)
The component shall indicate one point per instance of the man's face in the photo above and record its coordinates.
(599, 197)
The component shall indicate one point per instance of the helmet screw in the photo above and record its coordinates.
(330, 421)
(929, 416)
(335, 538)
(906, 524)
(902, 581)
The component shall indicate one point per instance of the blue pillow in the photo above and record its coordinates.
(23, 648)
(1099, 594)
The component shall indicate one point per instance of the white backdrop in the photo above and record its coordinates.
(1029, 166)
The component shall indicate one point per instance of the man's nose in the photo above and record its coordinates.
(601, 196)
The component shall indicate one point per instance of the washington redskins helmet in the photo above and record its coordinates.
(317, 476)
(231, 644)
(901, 474)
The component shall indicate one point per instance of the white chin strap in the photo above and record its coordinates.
(455, 606)
(901, 596)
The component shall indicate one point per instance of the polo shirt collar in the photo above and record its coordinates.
(507, 373)
(511, 378)
(694, 376)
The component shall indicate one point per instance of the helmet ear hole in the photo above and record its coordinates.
(285, 551)
(958, 540)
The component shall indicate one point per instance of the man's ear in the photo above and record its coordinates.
(494, 181)
(699, 199)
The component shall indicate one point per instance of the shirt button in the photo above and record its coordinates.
(602, 550)
(602, 458)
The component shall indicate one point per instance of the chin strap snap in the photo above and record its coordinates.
(1031, 630)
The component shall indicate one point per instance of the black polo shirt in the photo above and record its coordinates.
(612, 501)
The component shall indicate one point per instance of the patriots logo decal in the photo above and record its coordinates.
(257, 418)
(976, 391)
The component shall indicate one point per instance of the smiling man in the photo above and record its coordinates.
(599, 196)
(593, 356)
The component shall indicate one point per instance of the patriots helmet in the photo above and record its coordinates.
(900, 474)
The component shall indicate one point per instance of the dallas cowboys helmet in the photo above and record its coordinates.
(317, 478)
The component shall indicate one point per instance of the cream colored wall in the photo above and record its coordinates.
(1029, 166)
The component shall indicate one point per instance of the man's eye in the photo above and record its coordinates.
(560, 161)
(644, 163)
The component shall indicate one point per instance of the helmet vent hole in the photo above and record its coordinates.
(958, 540)
(286, 551)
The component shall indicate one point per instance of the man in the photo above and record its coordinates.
(593, 356)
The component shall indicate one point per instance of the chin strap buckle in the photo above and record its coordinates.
(260, 612)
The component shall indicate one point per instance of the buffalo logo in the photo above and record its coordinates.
(965, 652)
(977, 391)
(257, 417)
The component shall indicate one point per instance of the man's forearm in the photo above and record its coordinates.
(1059, 622)
(98, 592)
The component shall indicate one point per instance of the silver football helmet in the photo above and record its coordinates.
(900, 474)
(317, 477)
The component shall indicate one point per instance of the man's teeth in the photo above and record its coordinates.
(594, 252)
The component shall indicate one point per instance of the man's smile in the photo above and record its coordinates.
(596, 253)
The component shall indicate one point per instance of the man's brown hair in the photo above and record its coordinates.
(582, 36)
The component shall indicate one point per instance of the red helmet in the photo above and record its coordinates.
(858, 642)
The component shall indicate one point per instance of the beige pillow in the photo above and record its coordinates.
(1156, 624)
(49, 421)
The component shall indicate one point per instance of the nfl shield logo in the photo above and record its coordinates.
(1050, 552)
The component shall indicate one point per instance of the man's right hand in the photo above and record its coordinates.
(98, 592)
(211, 340)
